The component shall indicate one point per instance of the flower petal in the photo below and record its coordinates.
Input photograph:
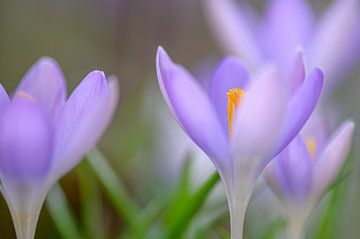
(332, 158)
(83, 120)
(297, 72)
(26, 141)
(259, 120)
(4, 98)
(232, 30)
(300, 108)
(45, 82)
(231, 73)
(292, 170)
(288, 24)
(333, 44)
(193, 110)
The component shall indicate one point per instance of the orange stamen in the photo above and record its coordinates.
(311, 146)
(234, 97)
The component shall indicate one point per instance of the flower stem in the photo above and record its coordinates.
(238, 202)
(296, 224)
(237, 219)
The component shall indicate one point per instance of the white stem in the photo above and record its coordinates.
(296, 224)
(25, 206)
(237, 219)
(238, 201)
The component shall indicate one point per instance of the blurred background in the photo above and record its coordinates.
(144, 145)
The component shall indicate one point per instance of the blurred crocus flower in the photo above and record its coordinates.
(43, 136)
(241, 123)
(303, 171)
(330, 43)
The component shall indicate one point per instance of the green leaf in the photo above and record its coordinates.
(223, 233)
(62, 214)
(274, 229)
(90, 203)
(114, 188)
(191, 206)
(326, 225)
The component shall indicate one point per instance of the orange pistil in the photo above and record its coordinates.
(234, 97)
(311, 146)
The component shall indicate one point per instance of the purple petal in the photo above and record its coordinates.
(332, 158)
(258, 123)
(293, 171)
(4, 98)
(297, 72)
(45, 82)
(26, 141)
(231, 73)
(300, 107)
(83, 120)
(232, 30)
(288, 24)
(193, 110)
(334, 42)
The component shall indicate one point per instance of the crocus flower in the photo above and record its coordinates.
(43, 136)
(241, 123)
(330, 43)
(302, 172)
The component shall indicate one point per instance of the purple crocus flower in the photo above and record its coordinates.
(241, 123)
(43, 135)
(302, 172)
(331, 42)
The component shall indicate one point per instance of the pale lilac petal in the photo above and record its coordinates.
(332, 158)
(333, 44)
(293, 171)
(45, 82)
(300, 108)
(297, 72)
(231, 73)
(288, 24)
(258, 123)
(83, 120)
(26, 141)
(4, 98)
(193, 110)
(232, 30)
(317, 129)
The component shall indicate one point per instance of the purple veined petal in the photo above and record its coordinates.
(300, 108)
(258, 122)
(4, 98)
(333, 44)
(193, 110)
(26, 141)
(82, 121)
(231, 73)
(332, 158)
(288, 23)
(45, 82)
(297, 71)
(232, 30)
(293, 172)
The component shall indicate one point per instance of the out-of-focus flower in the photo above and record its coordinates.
(43, 135)
(331, 43)
(302, 172)
(241, 124)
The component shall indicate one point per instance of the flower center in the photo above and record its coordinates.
(311, 146)
(234, 97)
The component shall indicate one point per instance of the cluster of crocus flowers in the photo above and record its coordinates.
(331, 42)
(43, 136)
(303, 171)
(242, 122)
